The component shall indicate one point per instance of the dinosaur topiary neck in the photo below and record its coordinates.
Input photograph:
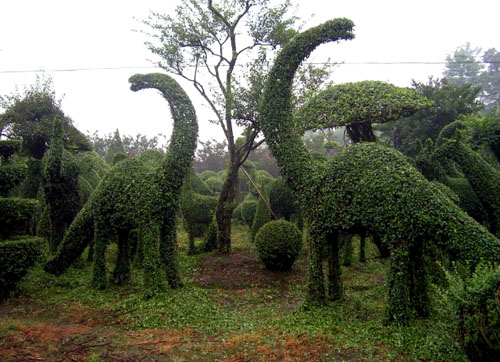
(184, 134)
(285, 143)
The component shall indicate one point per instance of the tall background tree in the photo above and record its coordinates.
(206, 43)
(468, 66)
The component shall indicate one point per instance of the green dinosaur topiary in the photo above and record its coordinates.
(366, 189)
(278, 244)
(137, 196)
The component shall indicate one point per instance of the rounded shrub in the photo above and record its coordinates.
(248, 208)
(215, 183)
(207, 174)
(278, 244)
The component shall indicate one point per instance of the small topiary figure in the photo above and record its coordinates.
(278, 244)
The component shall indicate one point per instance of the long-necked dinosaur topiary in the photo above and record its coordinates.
(367, 188)
(134, 195)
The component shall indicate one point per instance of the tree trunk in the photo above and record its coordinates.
(224, 209)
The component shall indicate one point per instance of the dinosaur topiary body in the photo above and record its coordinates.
(367, 188)
(137, 196)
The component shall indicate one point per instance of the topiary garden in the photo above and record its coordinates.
(301, 280)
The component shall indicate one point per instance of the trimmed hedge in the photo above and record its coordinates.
(17, 216)
(11, 175)
(278, 244)
(16, 257)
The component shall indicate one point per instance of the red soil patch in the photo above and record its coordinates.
(274, 345)
(242, 270)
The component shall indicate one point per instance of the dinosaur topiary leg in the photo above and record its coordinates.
(99, 266)
(334, 272)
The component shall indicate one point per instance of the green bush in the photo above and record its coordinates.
(17, 216)
(215, 183)
(195, 183)
(278, 244)
(16, 257)
(197, 213)
(154, 156)
(237, 213)
(262, 216)
(248, 208)
(8, 148)
(477, 302)
(11, 175)
(207, 174)
(283, 202)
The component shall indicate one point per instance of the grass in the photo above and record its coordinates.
(230, 309)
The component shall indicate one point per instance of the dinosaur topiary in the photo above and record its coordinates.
(367, 188)
(134, 195)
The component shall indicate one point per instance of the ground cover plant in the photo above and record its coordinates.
(230, 309)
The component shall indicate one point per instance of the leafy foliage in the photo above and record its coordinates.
(16, 257)
(8, 148)
(79, 235)
(358, 105)
(248, 208)
(197, 207)
(278, 244)
(476, 302)
(282, 201)
(29, 117)
(366, 189)
(134, 195)
(450, 101)
(262, 217)
(17, 216)
(60, 187)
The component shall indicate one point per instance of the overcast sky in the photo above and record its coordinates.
(58, 35)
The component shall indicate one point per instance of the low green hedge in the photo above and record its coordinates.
(16, 257)
(17, 216)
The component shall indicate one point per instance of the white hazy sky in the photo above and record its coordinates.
(55, 34)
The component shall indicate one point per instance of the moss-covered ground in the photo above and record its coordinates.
(230, 309)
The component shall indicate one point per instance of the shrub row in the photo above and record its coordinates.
(16, 257)
(17, 216)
